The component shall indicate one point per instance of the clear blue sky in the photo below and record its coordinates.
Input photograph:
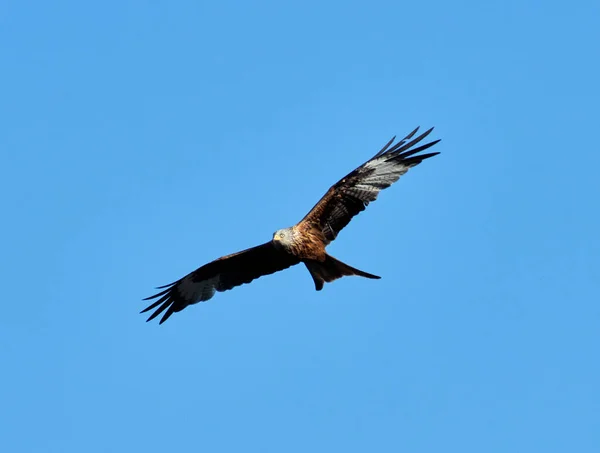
(141, 139)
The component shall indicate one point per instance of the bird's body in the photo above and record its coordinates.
(304, 242)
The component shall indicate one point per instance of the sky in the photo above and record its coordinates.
(142, 139)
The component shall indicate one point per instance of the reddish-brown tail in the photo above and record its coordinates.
(330, 270)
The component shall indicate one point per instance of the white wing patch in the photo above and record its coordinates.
(384, 172)
(380, 174)
(193, 292)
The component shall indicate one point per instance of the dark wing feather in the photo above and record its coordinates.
(220, 275)
(352, 194)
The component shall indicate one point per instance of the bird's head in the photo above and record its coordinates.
(283, 237)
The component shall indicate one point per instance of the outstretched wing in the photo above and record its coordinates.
(352, 194)
(220, 275)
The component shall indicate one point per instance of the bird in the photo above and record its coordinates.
(304, 242)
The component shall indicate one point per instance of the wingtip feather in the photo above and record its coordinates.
(167, 315)
(409, 136)
(385, 147)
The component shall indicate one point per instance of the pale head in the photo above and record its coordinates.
(283, 237)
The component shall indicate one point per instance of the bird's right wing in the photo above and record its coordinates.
(220, 275)
(351, 194)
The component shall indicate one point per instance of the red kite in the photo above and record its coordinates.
(304, 242)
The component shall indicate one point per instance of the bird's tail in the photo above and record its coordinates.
(330, 270)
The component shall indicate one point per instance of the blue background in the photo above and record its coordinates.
(141, 139)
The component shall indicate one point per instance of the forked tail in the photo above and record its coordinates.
(330, 270)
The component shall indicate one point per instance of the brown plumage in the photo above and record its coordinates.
(304, 242)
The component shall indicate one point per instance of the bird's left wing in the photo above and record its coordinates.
(220, 275)
(352, 194)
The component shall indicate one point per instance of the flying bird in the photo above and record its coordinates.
(304, 242)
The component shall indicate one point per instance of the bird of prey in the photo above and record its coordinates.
(304, 242)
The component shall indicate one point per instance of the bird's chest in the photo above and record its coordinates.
(309, 243)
